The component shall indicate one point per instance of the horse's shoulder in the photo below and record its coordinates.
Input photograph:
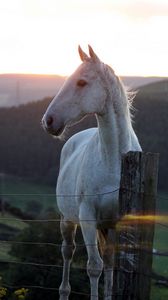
(77, 142)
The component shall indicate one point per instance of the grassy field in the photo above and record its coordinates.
(11, 221)
(4, 252)
(21, 193)
(158, 293)
(26, 196)
(160, 263)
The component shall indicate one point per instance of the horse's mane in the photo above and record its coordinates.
(127, 93)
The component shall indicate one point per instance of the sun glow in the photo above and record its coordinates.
(42, 36)
(143, 219)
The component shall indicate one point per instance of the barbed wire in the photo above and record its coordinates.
(43, 244)
(55, 289)
(7, 285)
(29, 287)
(30, 220)
(49, 265)
(162, 197)
(56, 266)
(33, 243)
(79, 221)
(134, 248)
(161, 224)
(65, 195)
(28, 263)
(29, 194)
(84, 195)
(75, 267)
(12, 286)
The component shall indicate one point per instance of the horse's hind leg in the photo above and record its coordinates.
(107, 249)
(68, 230)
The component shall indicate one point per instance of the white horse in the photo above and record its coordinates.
(89, 177)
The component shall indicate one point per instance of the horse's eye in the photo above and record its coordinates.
(81, 82)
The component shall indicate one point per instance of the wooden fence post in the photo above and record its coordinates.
(135, 231)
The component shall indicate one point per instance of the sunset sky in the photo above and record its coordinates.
(42, 36)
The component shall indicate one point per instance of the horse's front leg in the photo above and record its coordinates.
(68, 230)
(95, 263)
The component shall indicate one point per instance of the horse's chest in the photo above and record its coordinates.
(95, 175)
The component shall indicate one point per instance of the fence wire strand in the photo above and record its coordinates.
(55, 289)
(77, 221)
(7, 285)
(64, 195)
(155, 252)
(79, 195)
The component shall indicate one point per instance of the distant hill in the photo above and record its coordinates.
(159, 88)
(151, 123)
(138, 81)
(16, 89)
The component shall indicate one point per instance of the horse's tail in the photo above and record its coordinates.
(102, 238)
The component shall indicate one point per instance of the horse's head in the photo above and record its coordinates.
(83, 93)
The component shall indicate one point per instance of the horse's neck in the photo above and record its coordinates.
(115, 132)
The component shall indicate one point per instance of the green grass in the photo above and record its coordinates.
(11, 221)
(19, 193)
(162, 203)
(158, 293)
(160, 263)
(11, 227)
(4, 252)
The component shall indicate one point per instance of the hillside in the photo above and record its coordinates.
(16, 89)
(160, 88)
(26, 150)
(151, 123)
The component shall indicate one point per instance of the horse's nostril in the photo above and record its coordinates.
(49, 121)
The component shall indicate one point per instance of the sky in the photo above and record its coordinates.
(42, 36)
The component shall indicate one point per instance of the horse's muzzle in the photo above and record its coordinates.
(49, 125)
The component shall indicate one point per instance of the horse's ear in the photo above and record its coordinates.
(82, 54)
(93, 54)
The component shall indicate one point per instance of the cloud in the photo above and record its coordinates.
(54, 8)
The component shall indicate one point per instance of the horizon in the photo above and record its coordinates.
(43, 39)
(65, 76)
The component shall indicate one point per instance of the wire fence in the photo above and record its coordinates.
(11, 286)
(76, 195)
(163, 221)
(6, 284)
(45, 288)
(87, 220)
